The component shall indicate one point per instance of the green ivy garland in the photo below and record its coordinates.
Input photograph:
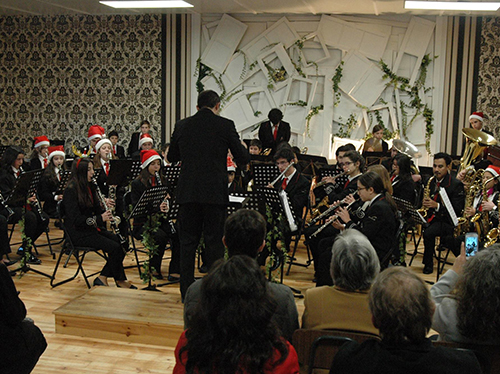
(150, 227)
(312, 112)
(336, 81)
(273, 235)
(27, 245)
(346, 129)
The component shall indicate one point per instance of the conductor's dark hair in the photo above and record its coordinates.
(275, 116)
(445, 156)
(233, 330)
(285, 153)
(10, 156)
(208, 99)
(244, 232)
(345, 148)
(79, 170)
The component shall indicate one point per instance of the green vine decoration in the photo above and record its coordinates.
(273, 235)
(416, 103)
(313, 112)
(336, 81)
(346, 129)
(27, 245)
(150, 227)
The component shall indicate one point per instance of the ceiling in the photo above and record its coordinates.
(92, 7)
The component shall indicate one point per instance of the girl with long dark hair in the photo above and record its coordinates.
(402, 183)
(232, 329)
(85, 221)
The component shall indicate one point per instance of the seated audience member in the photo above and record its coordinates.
(21, 342)
(244, 234)
(255, 147)
(39, 156)
(402, 310)
(232, 329)
(467, 299)
(118, 150)
(344, 306)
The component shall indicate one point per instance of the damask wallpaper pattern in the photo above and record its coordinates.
(488, 98)
(59, 75)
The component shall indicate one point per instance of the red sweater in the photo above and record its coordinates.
(289, 366)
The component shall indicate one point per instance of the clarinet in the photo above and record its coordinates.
(334, 217)
(37, 206)
(3, 203)
(113, 221)
(159, 183)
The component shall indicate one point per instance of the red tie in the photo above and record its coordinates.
(153, 181)
(114, 149)
(283, 184)
(275, 132)
(45, 162)
(346, 184)
(106, 168)
(18, 173)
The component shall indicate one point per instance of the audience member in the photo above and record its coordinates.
(344, 306)
(402, 310)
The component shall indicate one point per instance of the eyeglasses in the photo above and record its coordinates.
(361, 188)
(346, 163)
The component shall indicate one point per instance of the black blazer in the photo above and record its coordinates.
(46, 193)
(7, 183)
(201, 142)
(404, 189)
(267, 138)
(120, 152)
(455, 191)
(379, 224)
(133, 146)
(297, 190)
(351, 188)
(35, 164)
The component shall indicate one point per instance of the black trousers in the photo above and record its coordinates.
(435, 229)
(314, 242)
(195, 219)
(4, 236)
(34, 226)
(161, 237)
(110, 244)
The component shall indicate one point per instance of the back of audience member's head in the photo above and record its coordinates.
(355, 263)
(478, 296)
(235, 312)
(401, 306)
(244, 233)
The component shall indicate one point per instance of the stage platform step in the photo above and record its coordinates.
(113, 313)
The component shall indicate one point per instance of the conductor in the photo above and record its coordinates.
(201, 143)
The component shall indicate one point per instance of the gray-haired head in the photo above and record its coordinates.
(355, 263)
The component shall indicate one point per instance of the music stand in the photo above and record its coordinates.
(63, 183)
(26, 185)
(251, 200)
(411, 216)
(264, 174)
(3, 148)
(312, 163)
(172, 174)
(148, 204)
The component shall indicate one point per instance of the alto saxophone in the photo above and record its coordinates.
(464, 221)
(493, 234)
(427, 194)
(481, 219)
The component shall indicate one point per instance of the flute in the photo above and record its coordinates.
(282, 174)
(333, 218)
(334, 179)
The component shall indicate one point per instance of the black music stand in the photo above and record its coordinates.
(63, 183)
(26, 185)
(311, 163)
(264, 174)
(251, 200)
(149, 204)
(3, 148)
(411, 217)
(172, 174)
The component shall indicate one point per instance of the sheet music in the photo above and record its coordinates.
(288, 211)
(447, 204)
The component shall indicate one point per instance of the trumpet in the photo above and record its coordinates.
(333, 218)
(115, 221)
(282, 174)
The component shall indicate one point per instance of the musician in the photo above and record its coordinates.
(118, 150)
(151, 165)
(134, 146)
(232, 185)
(255, 147)
(145, 144)
(50, 181)
(376, 143)
(201, 143)
(85, 221)
(34, 223)
(95, 134)
(402, 183)
(102, 160)
(39, 156)
(274, 131)
(438, 216)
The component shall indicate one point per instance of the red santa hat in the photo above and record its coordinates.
(101, 142)
(56, 151)
(95, 131)
(477, 115)
(231, 166)
(148, 156)
(494, 170)
(41, 141)
(145, 138)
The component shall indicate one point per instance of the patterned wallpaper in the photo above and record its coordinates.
(489, 74)
(59, 75)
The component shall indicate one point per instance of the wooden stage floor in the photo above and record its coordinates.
(74, 354)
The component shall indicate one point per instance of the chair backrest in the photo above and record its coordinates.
(303, 340)
(487, 355)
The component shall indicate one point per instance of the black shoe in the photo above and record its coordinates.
(428, 269)
(173, 278)
(12, 273)
(203, 269)
(98, 282)
(441, 248)
(9, 262)
(157, 276)
(33, 260)
(132, 287)
(20, 251)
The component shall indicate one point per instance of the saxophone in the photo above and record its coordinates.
(464, 222)
(481, 220)
(493, 234)
(427, 194)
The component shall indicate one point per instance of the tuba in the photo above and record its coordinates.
(478, 141)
